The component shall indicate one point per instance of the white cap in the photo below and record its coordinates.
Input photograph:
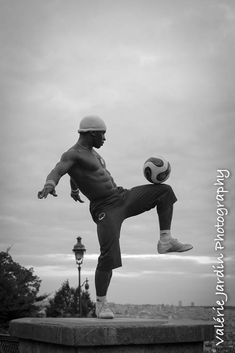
(92, 123)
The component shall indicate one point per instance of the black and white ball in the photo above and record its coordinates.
(157, 170)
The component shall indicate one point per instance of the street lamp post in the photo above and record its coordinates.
(79, 250)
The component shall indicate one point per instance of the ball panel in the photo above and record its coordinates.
(159, 162)
(148, 174)
(163, 176)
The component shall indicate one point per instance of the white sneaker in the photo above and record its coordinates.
(173, 245)
(103, 311)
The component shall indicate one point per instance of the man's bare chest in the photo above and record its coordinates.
(90, 161)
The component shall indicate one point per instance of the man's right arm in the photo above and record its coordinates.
(61, 168)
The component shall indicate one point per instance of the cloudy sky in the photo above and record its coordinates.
(161, 75)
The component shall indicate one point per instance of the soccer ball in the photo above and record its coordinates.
(157, 170)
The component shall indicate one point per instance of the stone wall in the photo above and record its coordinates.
(80, 335)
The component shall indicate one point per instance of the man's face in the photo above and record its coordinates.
(98, 138)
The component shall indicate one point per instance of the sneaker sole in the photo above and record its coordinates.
(105, 318)
(174, 250)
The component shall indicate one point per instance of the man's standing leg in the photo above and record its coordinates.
(102, 281)
(108, 230)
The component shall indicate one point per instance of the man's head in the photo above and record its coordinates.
(95, 127)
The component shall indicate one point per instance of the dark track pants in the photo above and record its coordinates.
(111, 212)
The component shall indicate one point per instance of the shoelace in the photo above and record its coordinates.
(105, 307)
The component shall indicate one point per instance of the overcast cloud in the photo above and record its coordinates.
(161, 74)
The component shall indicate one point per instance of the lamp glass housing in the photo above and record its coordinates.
(79, 250)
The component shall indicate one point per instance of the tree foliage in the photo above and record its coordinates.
(19, 289)
(65, 302)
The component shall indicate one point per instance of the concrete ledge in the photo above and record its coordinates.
(78, 335)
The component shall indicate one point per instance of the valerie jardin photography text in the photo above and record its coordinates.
(219, 268)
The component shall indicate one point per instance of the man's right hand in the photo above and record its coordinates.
(48, 189)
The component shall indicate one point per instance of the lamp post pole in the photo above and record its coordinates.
(79, 289)
(79, 250)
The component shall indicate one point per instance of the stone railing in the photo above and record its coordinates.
(121, 335)
(8, 344)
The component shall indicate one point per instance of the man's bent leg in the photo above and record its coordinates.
(165, 217)
(143, 198)
(167, 243)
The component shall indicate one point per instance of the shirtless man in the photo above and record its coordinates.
(110, 204)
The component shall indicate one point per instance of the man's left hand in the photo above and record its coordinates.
(75, 195)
